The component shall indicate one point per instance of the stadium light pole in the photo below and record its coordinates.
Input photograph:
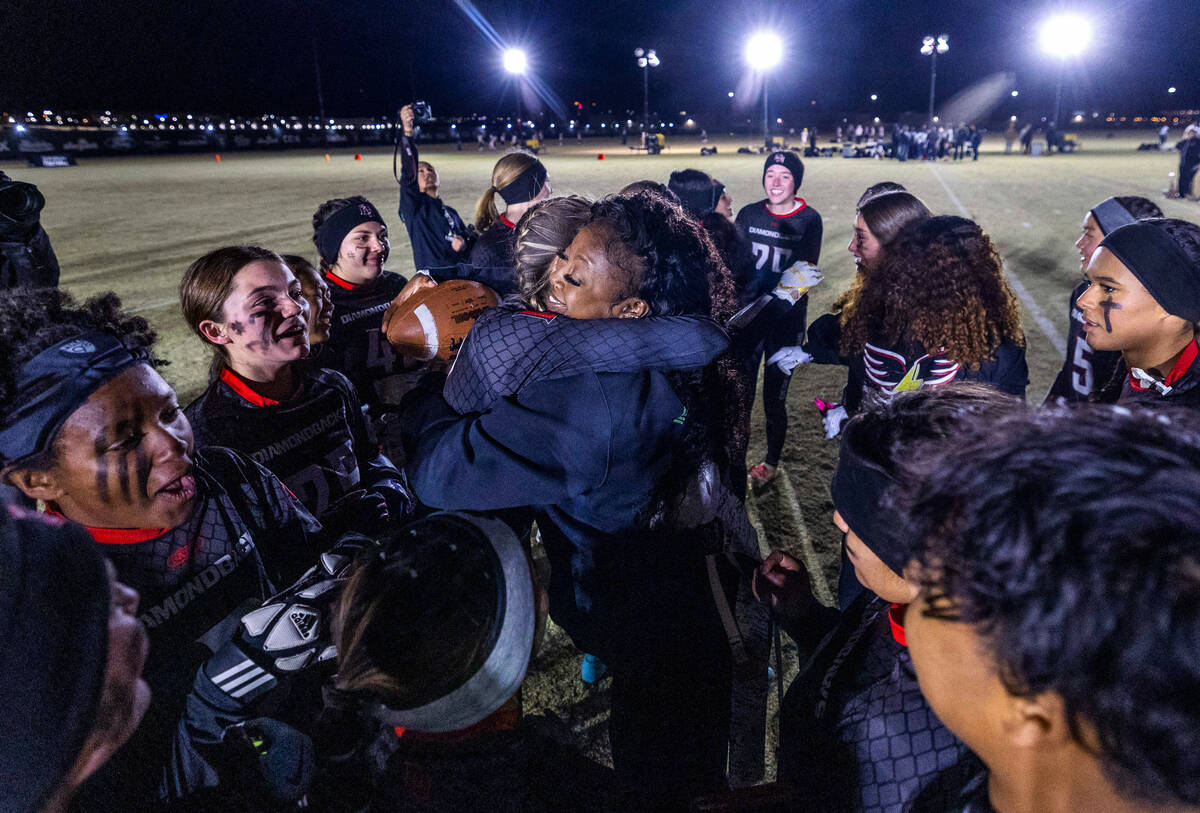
(1064, 36)
(646, 59)
(764, 51)
(515, 62)
(931, 47)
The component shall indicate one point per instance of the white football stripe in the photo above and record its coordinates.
(429, 326)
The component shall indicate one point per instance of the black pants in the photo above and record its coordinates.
(775, 382)
(669, 727)
(1186, 173)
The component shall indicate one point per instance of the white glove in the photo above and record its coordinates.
(797, 280)
(786, 358)
(833, 419)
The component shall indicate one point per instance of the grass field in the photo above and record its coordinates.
(132, 225)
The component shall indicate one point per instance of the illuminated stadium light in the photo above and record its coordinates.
(1065, 35)
(515, 61)
(1171, 89)
(931, 47)
(764, 50)
(874, 97)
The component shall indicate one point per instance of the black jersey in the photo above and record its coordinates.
(431, 223)
(1085, 370)
(317, 442)
(856, 732)
(497, 246)
(246, 537)
(883, 368)
(357, 347)
(778, 241)
(1181, 387)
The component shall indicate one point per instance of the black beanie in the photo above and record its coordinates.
(790, 161)
(54, 607)
(698, 193)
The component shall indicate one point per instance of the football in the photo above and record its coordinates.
(434, 320)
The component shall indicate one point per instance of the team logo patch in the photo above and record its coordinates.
(779, 159)
(891, 372)
(365, 210)
(79, 347)
(304, 622)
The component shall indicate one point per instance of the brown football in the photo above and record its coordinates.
(433, 321)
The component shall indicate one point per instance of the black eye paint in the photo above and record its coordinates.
(1109, 305)
(100, 446)
(238, 327)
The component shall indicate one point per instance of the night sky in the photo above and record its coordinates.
(256, 56)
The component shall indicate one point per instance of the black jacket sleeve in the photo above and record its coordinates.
(501, 279)
(545, 446)
(411, 197)
(824, 338)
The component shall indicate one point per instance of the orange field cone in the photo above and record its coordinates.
(358, 156)
(327, 158)
(600, 157)
(218, 157)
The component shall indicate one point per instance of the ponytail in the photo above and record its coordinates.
(507, 169)
(485, 211)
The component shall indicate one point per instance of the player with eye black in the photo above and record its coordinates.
(89, 427)
(1143, 300)
(303, 422)
(1086, 370)
(783, 229)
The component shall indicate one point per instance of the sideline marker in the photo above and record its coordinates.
(358, 156)
(218, 157)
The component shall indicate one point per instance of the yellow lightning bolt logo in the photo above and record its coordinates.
(910, 381)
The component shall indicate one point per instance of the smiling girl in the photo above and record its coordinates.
(302, 422)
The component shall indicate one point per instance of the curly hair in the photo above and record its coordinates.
(1070, 541)
(885, 213)
(679, 272)
(635, 187)
(32, 319)
(544, 231)
(1185, 234)
(940, 284)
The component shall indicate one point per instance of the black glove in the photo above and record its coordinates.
(290, 632)
(360, 511)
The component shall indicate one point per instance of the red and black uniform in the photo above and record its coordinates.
(855, 731)
(777, 242)
(1085, 370)
(247, 538)
(317, 442)
(357, 347)
(1181, 387)
(497, 245)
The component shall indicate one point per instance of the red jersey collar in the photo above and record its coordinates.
(799, 208)
(896, 620)
(117, 536)
(339, 282)
(1181, 366)
(507, 222)
(238, 384)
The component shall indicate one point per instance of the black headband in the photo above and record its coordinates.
(1159, 264)
(525, 187)
(53, 384)
(858, 487)
(339, 224)
(1111, 215)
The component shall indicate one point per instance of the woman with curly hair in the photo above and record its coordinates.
(935, 310)
(89, 428)
(625, 471)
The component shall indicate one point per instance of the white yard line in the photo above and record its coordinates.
(153, 306)
(1039, 317)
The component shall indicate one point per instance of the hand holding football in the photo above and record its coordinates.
(432, 322)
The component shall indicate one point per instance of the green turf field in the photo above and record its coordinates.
(132, 225)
